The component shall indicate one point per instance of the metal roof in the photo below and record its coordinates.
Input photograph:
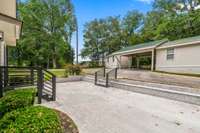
(184, 41)
(141, 46)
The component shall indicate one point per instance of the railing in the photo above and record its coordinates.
(13, 77)
(100, 75)
(111, 75)
(105, 77)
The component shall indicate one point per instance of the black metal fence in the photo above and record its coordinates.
(12, 77)
(105, 77)
(111, 75)
(100, 75)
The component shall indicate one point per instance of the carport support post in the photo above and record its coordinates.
(153, 60)
(138, 62)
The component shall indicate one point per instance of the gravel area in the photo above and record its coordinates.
(97, 109)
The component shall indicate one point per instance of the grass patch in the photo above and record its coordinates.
(58, 72)
(90, 71)
(17, 99)
(35, 119)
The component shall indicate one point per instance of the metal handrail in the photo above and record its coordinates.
(108, 75)
(31, 76)
(99, 73)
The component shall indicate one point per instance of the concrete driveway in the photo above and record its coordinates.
(109, 110)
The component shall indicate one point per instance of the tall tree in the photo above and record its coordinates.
(101, 37)
(130, 25)
(47, 31)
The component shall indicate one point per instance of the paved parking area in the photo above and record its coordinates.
(161, 78)
(108, 110)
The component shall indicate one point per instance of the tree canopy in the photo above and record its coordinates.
(48, 26)
(172, 19)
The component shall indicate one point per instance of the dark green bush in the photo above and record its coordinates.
(16, 99)
(35, 119)
(94, 64)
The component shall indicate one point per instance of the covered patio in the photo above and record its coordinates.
(141, 56)
(141, 61)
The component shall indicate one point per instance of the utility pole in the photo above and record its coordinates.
(77, 41)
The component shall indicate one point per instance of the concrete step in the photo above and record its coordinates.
(100, 82)
(188, 97)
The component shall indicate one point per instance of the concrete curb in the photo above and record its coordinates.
(187, 97)
(69, 79)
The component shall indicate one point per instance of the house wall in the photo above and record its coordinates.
(8, 7)
(119, 61)
(186, 60)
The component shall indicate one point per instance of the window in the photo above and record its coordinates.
(113, 58)
(170, 54)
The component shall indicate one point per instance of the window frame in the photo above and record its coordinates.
(170, 54)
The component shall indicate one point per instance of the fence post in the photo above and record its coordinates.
(54, 88)
(104, 71)
(115, 73)
(107, 78)
(95, 80)
(39, 84)
(1, 83)
(32, 76)
(5, 76)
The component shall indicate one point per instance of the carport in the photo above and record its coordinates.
(138, 53)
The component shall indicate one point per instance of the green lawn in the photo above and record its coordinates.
(60, 73)
(90, 71)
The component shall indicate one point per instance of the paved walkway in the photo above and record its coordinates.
(161, 78)
(109, 110)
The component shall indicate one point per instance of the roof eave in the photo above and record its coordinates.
(11, 20)
(179, 45)
(141, 49)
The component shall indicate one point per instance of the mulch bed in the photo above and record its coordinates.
(67, 123)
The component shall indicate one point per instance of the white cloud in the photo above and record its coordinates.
(146, 1)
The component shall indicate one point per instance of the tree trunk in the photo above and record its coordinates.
(54, 61)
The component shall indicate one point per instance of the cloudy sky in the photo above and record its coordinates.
(87, 10)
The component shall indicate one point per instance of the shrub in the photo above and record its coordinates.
(94, 64)
(16, 99)
(73, 70)
(77, 69)
(34, 119)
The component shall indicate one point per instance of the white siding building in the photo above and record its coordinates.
(180, 56)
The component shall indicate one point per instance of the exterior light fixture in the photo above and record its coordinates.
(1, 36)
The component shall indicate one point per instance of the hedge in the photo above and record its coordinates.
(35, 119)
(16, 99)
